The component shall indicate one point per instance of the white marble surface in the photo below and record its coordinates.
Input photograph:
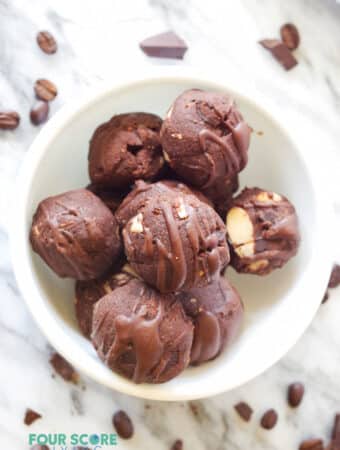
(95, 40)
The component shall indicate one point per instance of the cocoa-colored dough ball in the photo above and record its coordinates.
(263, 231)
(217, 313)
(76, 235)
(90, 291)
(142, 334)
(173, 240)
(125, 149)
(204, 138)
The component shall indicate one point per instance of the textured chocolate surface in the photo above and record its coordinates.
(172, 240)
(142, 334)
(76, 235)
(204, 138)
(263, 231)
(90, 291)
(217, 313)
(124, 149)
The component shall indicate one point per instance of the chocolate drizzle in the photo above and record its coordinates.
(207, 340)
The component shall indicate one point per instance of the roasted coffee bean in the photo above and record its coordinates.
(9, 120)
(290, 36)
(64, 368)
(244, 411)
(334, 280)
(46, 42)
(39, 112)
(45, 90)
(312, 444)
(177, 445)
(31, 416)
(123, 424)
(295, 394)
(269, 419)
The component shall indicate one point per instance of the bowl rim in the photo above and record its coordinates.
(18, 231)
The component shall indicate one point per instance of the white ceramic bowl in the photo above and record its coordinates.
(278, 307)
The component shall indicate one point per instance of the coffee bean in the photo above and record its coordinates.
(45, 90)
(311, 444)
(295, 394)
(244, 411)
(290, 36)
(31, 416)
(9, 120)
(40, 447)
(334, 280)
(63, 367)
(39, 112)
(269, 419)
(177, 445)
(46, 42)
(123, 424)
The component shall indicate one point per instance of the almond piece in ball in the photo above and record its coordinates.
(262, 230)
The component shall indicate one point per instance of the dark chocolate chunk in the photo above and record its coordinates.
(269, 419)
(325, 297)
(9, 120)
(46, 42)
(244, 411)
(164, 45)
(334, 280)
(290, 36)
(64, 368)
(31, 416)
(123, 424)
(39, 112)
(312, 444)
(45, 90)
(295, 394)
(177, 445)
(280, 52)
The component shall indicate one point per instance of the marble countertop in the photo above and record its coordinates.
(95, 40)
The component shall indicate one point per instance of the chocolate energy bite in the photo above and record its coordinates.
(172, 240)
(142, 334)
(263, 231)
(217, 313)
(205, 138)
(90, 291)
(76, 235)
(124, 149)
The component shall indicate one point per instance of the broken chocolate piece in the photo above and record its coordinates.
(64, 368)
(280, 52)
(31, 416)
(334, 280)
(290, 36)
(244, 411)
(311, 444)
(164, 45)
(177, 445)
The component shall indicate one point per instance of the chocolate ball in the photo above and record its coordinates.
(76, 235)
(217, 313)
(204, 138)
(142, 334)
(173, 240)
(263, 231)
(124, 149)
(90, 291)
